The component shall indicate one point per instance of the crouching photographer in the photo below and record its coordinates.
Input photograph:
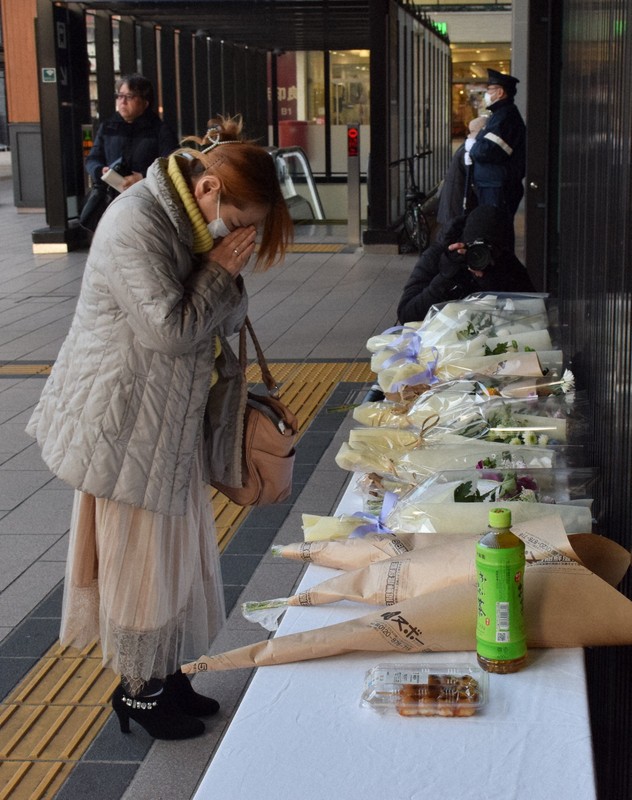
(474, 255)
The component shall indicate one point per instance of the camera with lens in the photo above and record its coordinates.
(478, 255)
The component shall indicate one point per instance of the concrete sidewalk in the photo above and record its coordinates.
(317, 307)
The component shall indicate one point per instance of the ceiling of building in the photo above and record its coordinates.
(265, 24)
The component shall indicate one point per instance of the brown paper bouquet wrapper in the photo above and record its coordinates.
(355, 553)
(608, 559)
(439, 562)
(388, 581)
(566, 605)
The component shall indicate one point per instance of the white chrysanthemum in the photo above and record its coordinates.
(515, 440)
(543, 440)
(568, 384)
(530, 438)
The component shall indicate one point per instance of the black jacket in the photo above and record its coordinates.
(438, 277)
(455, 189)
(499, 154)
(140, 142)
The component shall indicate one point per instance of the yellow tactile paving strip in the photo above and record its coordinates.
(20, 370)
(315, 248)
(50, 719)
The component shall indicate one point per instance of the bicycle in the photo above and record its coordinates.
(415, 223)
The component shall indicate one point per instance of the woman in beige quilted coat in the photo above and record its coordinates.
(145, 403)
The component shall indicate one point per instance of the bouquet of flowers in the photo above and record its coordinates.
(423, 570)
(449, 400)
(418, 457)
(456, 501)
(485, 333)
(416, 516)
(491, 485)
(568, 604)
(562, 387)
(480, 345)
(511, 421)
(351, 554)
(373, 488)
(494, 315)
(395, 379)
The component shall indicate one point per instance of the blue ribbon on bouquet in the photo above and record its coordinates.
(406, 333)
(409, 353)
(426, 376)
(375, 524)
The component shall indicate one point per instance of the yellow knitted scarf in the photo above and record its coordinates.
(202, 239)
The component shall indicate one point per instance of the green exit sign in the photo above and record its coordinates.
(442, 27)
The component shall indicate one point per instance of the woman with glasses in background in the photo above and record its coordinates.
(134, 133)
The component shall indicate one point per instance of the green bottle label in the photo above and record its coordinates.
(500, 630)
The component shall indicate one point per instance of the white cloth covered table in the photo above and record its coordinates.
(300, 732)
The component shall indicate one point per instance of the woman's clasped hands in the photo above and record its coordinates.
(233, 251)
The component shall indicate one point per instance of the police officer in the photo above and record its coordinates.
(498, 154)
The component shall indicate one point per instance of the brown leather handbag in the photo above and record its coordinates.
(270, 433)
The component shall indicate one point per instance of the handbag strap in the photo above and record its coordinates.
(268, 379)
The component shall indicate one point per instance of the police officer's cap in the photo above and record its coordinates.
(508, 82)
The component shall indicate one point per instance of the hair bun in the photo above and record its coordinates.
(224, 129)
(219, 130)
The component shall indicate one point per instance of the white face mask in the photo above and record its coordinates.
(488, 99)
(217, 227)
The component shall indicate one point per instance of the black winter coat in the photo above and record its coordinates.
(456, 183)
(438, 277)
(140, 142)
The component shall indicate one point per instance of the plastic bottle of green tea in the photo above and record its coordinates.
(501, 644)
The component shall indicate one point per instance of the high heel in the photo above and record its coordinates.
(178, 686)
(159, 715)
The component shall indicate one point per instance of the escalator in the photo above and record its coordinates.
(297, 184)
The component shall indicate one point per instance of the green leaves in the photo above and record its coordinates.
(464, 494)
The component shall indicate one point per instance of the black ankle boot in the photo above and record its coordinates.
(159, 715)
(178, 686)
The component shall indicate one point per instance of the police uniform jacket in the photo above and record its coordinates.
(498, 153)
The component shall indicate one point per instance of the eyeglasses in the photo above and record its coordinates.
(127, 97)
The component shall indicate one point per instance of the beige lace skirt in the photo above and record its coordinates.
(147, 586)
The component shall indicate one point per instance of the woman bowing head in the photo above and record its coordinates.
(145, 405)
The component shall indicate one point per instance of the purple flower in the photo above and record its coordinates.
(527, 482)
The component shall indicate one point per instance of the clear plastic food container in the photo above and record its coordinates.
(426, 690)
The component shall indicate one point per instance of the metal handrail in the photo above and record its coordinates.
(301, 156)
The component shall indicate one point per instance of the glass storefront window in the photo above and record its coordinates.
(349, 90)
(350, 85)
(470, 63)
(302, 111)
(315, 87)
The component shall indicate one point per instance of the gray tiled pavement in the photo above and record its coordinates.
(317, 306)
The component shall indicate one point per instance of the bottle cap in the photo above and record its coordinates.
(500, 518)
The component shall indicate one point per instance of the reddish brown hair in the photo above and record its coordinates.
(248, 176)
